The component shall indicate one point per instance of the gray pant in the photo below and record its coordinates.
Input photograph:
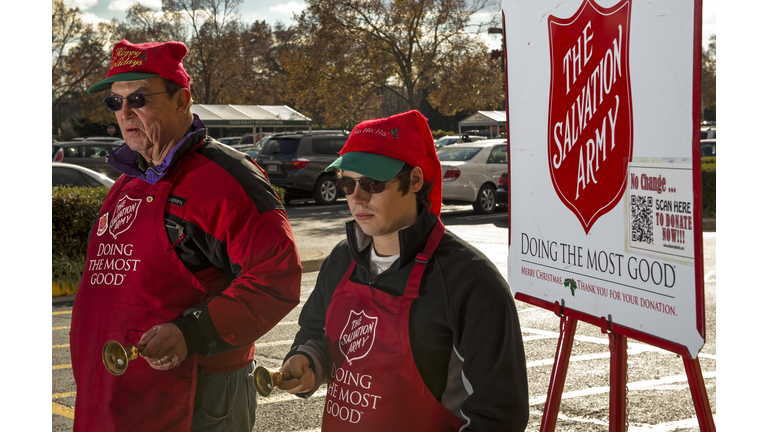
(225, 401)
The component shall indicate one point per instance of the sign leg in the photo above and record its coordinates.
(559, 370)
(699, 393)
(618, 399)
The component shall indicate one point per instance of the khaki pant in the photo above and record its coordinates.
(225, 401)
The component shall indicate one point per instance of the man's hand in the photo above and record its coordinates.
(303, 376)
(164, 346)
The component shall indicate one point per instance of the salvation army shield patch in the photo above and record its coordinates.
(358, 335)
(590, 108)
(102, 224)
(123, 216)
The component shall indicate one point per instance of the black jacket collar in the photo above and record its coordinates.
(412, 240)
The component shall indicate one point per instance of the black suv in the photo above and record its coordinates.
(296, 163)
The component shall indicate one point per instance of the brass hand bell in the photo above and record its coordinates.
(266, 380)
(116, 356)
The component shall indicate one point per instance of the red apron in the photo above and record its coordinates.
(132, 281)
(376, 385)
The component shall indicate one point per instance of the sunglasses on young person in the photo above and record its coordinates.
(135, 100)
(372, 186)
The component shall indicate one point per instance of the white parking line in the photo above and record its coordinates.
(638, 385)
(692, 423)
(561, 416)
(274, 343)
(283, 396)
(640, 347)
(711, 276)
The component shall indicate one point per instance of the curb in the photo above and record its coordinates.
(311, 260)
(708, 224)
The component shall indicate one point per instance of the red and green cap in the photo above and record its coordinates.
(379, 148)
(131, 62)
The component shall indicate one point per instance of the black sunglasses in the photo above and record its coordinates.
(372, 186)
(135, 100)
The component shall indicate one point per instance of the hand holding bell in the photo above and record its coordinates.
(116, 356)
(267, 381)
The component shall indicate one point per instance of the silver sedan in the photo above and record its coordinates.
(64, 174)
(471, 173)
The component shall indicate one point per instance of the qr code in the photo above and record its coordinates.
(642, 219)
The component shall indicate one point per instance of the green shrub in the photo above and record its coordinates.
(280, 193)
(708, 187)
(73, 212)
(441, 133)
(67, 269)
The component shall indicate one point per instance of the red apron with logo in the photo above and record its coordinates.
(376, 385)
(132, 281)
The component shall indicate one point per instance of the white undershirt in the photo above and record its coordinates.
(379, 264)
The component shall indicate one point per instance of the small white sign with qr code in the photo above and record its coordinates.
(660, 209)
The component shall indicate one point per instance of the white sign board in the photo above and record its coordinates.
(604, 208)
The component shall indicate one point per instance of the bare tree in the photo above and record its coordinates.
(471, 81)
(78, 51)
(709, 80)
(214, 43)
(144, 24)
(414, 40)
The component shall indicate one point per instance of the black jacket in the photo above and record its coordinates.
(464, 330)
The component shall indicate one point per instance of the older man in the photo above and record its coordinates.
(411, 327)
(191, 259)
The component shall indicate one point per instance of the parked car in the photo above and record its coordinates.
(64, 174)
(264, 139)
(58, 152)
(230, 141)
(246, 139)
(89, 154)
(253, 152)
(471, 173)
(708, 132)
(481, 132)
(502, 193)
(454, 139)
(105, 139)
(708, 147)
(296, 163)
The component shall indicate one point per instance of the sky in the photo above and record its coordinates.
(250, 11)
(272, 11)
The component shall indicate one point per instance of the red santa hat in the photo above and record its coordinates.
(131, 62)
(379, 148)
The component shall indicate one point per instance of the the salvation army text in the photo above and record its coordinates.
(594, 91)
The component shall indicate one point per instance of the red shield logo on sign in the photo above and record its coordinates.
(590, 109)
(123, 216)
(358, 335)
